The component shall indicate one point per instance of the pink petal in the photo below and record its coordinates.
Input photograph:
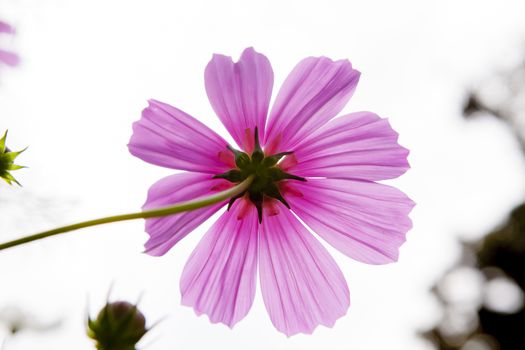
(356, 146)
(365, 220)
(166, 231)
(6, 28)
(314, 92)
(240, 93)
(9, 58)
(220, 276)
(168, 137)
(301, 284)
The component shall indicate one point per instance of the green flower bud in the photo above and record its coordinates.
(7, 164)
(118, 326)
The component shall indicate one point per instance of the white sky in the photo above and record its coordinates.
(88, 69)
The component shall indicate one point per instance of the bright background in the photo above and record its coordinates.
(89, 67)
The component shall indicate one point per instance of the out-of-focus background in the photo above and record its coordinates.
(449, 75)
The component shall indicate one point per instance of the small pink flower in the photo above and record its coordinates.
(7, 57)
(323, 171)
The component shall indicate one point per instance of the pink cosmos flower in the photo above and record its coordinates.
(7, 57)
(307, 165)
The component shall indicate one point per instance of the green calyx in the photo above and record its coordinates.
(266, 175)
(118, 326)
(7, 158)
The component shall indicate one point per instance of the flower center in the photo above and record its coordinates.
(266, 175)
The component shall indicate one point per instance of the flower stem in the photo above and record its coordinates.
(152, 213)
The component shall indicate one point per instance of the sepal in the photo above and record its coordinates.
(7, 159)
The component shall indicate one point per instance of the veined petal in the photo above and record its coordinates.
(301, 284)
(365, 220)
(355, 146)
(220, 276)
(240, 94)
(168, 137)
(166, 231)
(314, 92)
(9, 58)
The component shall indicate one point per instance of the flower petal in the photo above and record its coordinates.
(9, 58)
(314, 92)
(168, 137)
(301, 284)
(6, 28)
(355, 146)
(166, 231)
(240, 93)
(220, 276)
(365, 220)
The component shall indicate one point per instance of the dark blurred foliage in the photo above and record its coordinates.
(482, 297)
(502, 96)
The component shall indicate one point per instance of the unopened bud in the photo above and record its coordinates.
(7, 158)
(118, 326)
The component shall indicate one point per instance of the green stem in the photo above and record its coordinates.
(169, 210)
